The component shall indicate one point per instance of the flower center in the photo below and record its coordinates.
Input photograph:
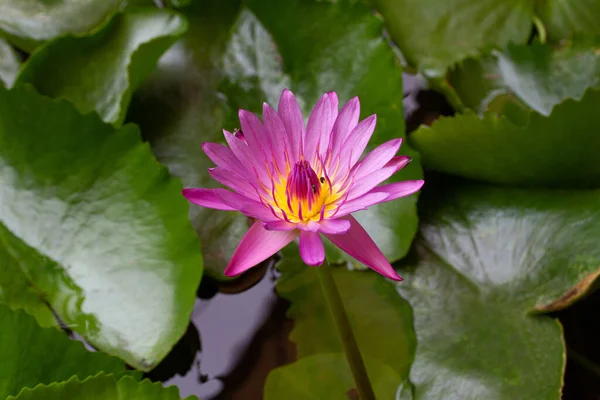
(303, 185)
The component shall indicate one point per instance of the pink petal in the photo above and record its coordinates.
(256, 246)
(360, 203)
(276, 131)
(358, 244)
(291, 117)
(344, 124)
(377, 158)
(357, 141)
(334, 226)
(245, 205)
(243, 153)
(367, 183)
(279, 226)
(320, 123)
(399, 189)
(234, 181)
(311, 248)
(224, 158)
(255, 135)
(206, 198)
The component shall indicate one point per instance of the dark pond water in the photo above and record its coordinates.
(238, 331)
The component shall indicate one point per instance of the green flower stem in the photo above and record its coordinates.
(342, 324)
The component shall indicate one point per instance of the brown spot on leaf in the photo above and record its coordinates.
(572, 295)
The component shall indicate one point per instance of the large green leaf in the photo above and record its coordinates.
(230, 60)
(101, 387)
(9, 64)
(379, 319)
(558, 151)
(97, 227)
(540, 76)
(29, 22)
(100, 72)
(567, 18)
(487, 261)
(33, 355)
(436, 34)
(326, 376)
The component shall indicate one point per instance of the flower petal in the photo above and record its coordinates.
(249, 207)
(279, 226)
(356, 142)
(320, 123)
(344, 124)
(358, 244)
(398, 189)
(360, 203)
(367, 183)
(276, 131)
(234, 181)
(256, 246)
(291, 117)
(255, 135)
(243, 153)
(206, 198)
(224, 158)
(377, 158)
(311, 248)
(334, 226)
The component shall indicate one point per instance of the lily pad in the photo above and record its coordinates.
(97, 227)
(435, 34)
(326, 376)
(9, 64)
(99, 72)
(32, 355)
(101, 387)
(555, 151)
(540, 76)
(380, 319)
(568, 18)
(234, 57)
(487, 262)
(28, 23)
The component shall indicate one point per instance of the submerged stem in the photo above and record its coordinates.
(342, 324)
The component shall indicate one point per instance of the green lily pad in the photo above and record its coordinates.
(96, 226)
(33, 355)
(380, 320)
(557, 151)
(539, 76)
(235, 57)
(99, 72)
(9, 64)
(487, 262)
(326, 376)
(28, 23)
(433, 35)
(101, 387)
(568, 18)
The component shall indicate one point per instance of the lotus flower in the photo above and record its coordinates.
(302, 181)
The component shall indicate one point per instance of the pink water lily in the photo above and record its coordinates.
(302, 181)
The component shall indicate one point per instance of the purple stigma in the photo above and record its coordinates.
(303, 184)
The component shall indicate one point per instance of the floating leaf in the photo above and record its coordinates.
(33, 355)
(487, 261)
(96, 226)
(540, 76)
(379, 318)
(565, 19)
(436, 34)
(99, 72)
(30, 22)
(230, 60)
(101, 387)
(326, 376)
(558, 151)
